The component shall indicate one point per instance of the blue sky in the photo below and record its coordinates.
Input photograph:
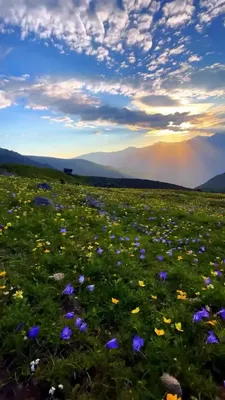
(78, 76)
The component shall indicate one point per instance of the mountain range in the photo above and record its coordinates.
(216, 184)
(188, 163)
(80, 167)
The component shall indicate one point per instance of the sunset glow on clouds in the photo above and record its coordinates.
(93, 74)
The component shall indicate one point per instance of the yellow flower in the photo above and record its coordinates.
(153, 297)
(180, 258)
(167, 320)
(178, 327)
(213, 322)
(2, 287)
(172, 397)
(115, 301)
(159, 332)
(2, 274)
(182, 297)
(47, 251)
(213, 273)
(141, 283)
(18, 294)
(135, 311)
(197, 293)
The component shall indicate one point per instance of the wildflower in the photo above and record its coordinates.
(78, 322)
(66, 333)
(141, 283)
(33, 332)
(172, 397)
(118, 263)
(2, 274)
(138, 343)
(160, 258)
(63, 231)
(83, 327)
(18, 294)
(213, 322)
(115, 301)
(167, 320)
(180, 258)
(99, 251)
(47, 251)
(81, 279)
(221, 313)
(178, 327)
(207, 281)
(60, 386)
(58, 276)
(163, 275)
(2, 287)
(153, 297)
(112, 344)
(211, 338)
(69, 315)
(91, 288)
(159, 332)
(135, 311)
(52, 391)
(68, 289)
(199, 315)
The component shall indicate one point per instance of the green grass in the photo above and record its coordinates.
(83, 365)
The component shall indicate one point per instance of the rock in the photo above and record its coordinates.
(171, 384)
(91, 202)
(44, 186)
(43, 201)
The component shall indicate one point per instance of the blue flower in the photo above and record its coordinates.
(83, 327)
(66, 333)
(138, 343)
(68, 289)
(81, 279)
(91, 288)
(69, 315)
(221, 313)
(78, 322)
(160, 258)
(163, 275)
(212, 338)
(112, 344)
(199, 315)
(99, 251)
(33, 332)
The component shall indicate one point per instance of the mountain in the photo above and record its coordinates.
(216, 184)
(11, 157)
(187, 163)
(80, 167)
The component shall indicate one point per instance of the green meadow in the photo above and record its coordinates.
(143, 266)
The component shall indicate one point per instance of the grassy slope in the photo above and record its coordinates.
(83, 365)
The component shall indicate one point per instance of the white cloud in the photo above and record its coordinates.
(211, 9)
(178, 12)
(4, 100)
(194, 58)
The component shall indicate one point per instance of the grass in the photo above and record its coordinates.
(156, 221)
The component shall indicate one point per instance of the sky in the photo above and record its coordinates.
(80, 76)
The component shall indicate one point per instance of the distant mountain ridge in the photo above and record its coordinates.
(215, 184)
(187, 163)
(11, 157)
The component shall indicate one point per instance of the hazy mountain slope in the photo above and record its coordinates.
(216, 184)
(187, 163)
(80, 167)
(11, 157)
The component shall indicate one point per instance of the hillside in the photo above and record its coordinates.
(11, 157)
(215, 184)
(187, 163)
(99, 303)
(80, 167)
(51, 174)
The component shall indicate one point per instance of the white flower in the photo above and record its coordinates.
(60, 386)
(52, 390)
(58, 276)
(37, 361)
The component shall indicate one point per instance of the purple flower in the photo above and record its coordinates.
(117, 251)
(79, 322)
(142, 251)
(99, 251)
(112, 237)
(212, 338)
(81, 279)
(163, 275)
(218, 273)
(63, 230)
(83, 327)
(142, 256)
(207, 281)
(112, 344)
(91, 288)
(66, 333)
(68, 289)
(199, 315)
(160, 258)
(118, 264)
(221, 313)
(138, 343)
(69, 315)
(33, 332)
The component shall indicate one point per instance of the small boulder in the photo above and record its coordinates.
(91, 202)
(44, 186)
(43, 201)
